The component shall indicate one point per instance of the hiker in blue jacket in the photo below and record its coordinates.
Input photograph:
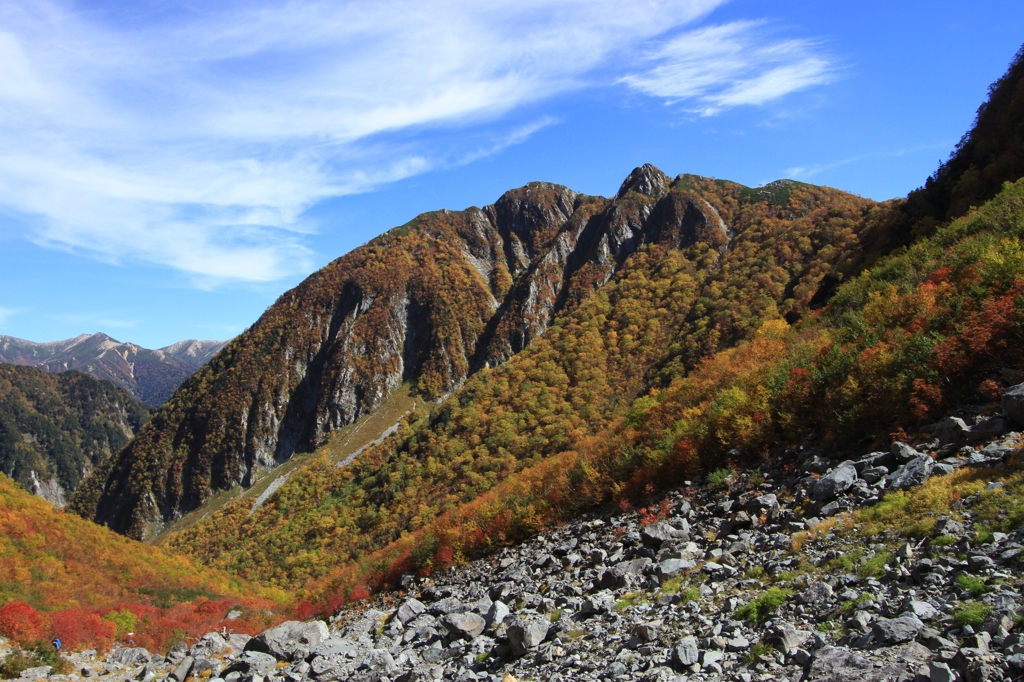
(57, 643)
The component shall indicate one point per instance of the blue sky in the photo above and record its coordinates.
(170, 169)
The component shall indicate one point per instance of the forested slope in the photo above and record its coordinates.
(61, 575)
(56, 428)
(679, 298)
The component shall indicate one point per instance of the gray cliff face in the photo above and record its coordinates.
(339, 344)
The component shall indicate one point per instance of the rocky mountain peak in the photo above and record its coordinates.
(646, 180)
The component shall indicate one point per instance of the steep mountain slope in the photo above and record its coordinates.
(672, 302)
(59, 574)
(56, 428)
(454, 292)
(150, 375)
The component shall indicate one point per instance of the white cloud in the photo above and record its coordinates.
(8, 313)
(196, 139)
(730, 65)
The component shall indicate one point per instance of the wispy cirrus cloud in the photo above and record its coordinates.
(812, 170)
(197, 138)
(729, 65)
(8, 313)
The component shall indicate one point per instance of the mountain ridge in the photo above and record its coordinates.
(149, 375)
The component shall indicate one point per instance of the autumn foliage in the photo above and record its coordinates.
(61, 576)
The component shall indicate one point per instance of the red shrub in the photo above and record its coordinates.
(77, 629)
(22, 623)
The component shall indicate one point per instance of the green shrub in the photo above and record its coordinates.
(943, 541)
(873, 566)
(971, 613)
(719, 479)
(125, 620)
(761, 606)
(756, 651)
(688, 595)
(970, 583)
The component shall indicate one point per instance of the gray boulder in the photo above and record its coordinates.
(291, 640)
(379, 661)
(467, 625)
(615, 576)
(527, 635)
(685, 653)
(1013, 404)
(129, 656)
(921, 609)
(670, 567)
(496, 614)
(657, 534)
(818, 593)
(787, 638)
(897, 630)
(598, 603)
(839, 664)
(915, 472)
(988, 429)
(212, 644)
(835, 482)
(182, 670)
(765, 504)
(409, 610)
(951, 430)
(903, 452)
(253, 663)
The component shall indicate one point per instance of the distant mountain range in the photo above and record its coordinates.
(150, 375)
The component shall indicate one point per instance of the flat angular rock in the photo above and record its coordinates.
(817, 593)
(835, 482)
(685, 653)
(914, 473)
(615, 576)
(921, 609)
(897, 630)
(253, 663)
(839, 664)
(787, 638)
(903, 452)
(129, 656)
(496, 614)
(409, 609)
(525, 636)
(291, 640)
(657, 534)
(467, 625)
(670, 567)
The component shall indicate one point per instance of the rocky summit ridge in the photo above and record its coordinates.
(777, 573)
(149, 375)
